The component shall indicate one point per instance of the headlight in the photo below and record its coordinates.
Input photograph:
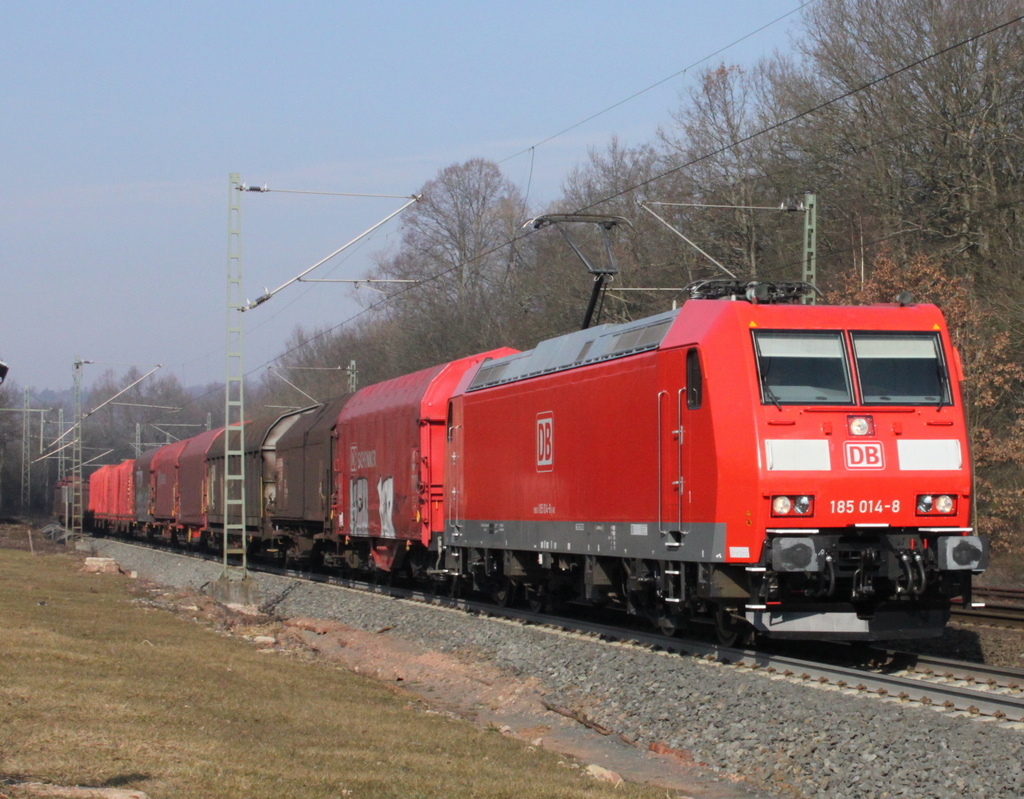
(796, 505)
(861, 425)
(935, 504)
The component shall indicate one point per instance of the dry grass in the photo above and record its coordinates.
(96, 689)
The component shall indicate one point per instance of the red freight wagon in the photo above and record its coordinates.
(165, 482)
(99, 493)
(193, 488)
(144, 487)
(111, 496)
(799, 470)
(122, 495)
(389, 463)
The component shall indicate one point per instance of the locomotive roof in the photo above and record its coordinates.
(577, 349)
(616, 341)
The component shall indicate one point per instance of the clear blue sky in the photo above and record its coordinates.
(123, 120)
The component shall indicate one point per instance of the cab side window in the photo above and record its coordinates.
(694, 381)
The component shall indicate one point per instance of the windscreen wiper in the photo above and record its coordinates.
(769, 392)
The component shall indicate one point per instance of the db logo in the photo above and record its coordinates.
(545, 442)
(864, 455)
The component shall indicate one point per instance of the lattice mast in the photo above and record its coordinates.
(26, 452)
(810, 261)
(234, 396)
(77, 488)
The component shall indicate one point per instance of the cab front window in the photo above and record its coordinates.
(901, 368)
(802, 367)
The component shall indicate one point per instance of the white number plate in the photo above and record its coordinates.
(864, 506)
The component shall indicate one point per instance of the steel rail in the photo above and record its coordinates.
(983, 592)
(997, 615)
(931, 666)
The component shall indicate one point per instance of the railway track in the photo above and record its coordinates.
(1004, 607)
(957, 686)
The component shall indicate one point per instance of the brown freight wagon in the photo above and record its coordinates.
(304, 481)
(260, 439)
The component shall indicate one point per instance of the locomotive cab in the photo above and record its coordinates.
(863, 482)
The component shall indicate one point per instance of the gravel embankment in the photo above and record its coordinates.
(792, 740)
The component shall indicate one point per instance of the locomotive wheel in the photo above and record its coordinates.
(668, 623)
(537, 598)
(726, 627)
(505, 596)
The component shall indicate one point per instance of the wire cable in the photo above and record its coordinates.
(802, 114)
(655, 85)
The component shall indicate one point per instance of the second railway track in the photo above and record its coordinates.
(1004, 607)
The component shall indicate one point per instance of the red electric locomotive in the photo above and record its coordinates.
(798, 470)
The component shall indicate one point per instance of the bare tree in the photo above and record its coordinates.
(933, 143)
(158, 407)
(460, 244)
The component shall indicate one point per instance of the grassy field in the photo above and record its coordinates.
(98, 690)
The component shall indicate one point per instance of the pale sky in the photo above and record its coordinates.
(123, 120)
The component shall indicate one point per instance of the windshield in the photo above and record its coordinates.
(802, 367)
(901, 368)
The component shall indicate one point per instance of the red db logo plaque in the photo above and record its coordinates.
(864, 455)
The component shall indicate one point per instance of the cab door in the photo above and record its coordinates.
(699, 468)
(671, 435)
